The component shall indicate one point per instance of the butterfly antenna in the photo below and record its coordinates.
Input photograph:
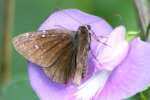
(96, 59)
(72, 17)
(104, 44)
(97, 38)
(93, 22)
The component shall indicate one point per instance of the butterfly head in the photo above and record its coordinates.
(88, 27)
(85, 28)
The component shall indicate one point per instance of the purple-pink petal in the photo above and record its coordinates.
(110, 57)
(131, 76)
(45, 88)
(114, 52)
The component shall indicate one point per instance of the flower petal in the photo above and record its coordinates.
(72, 18)
(92, 86)
(131, 76)
(110, 57)
(114, 52)
(44, 88)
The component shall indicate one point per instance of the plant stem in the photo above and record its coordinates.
(144, 16)
(7, 28)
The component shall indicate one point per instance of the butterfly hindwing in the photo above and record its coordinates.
(63, 68)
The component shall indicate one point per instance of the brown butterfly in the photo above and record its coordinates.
(61, 53)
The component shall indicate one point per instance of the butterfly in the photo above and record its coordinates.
(61, 53)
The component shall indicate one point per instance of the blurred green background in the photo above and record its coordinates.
(29, 14)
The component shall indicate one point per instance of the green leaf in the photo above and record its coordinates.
(136, 97)
(19, 90)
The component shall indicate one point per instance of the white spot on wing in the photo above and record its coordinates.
(27, 34)
(43, 35)
(36, 46)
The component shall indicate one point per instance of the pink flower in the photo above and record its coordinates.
(122, 69)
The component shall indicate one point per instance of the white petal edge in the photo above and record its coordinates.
(95, 84)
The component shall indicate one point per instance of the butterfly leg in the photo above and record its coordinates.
(62, 27)
(97, 38)
(93, 55)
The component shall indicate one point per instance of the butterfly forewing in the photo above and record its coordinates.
(53, 50)
(42, 48)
